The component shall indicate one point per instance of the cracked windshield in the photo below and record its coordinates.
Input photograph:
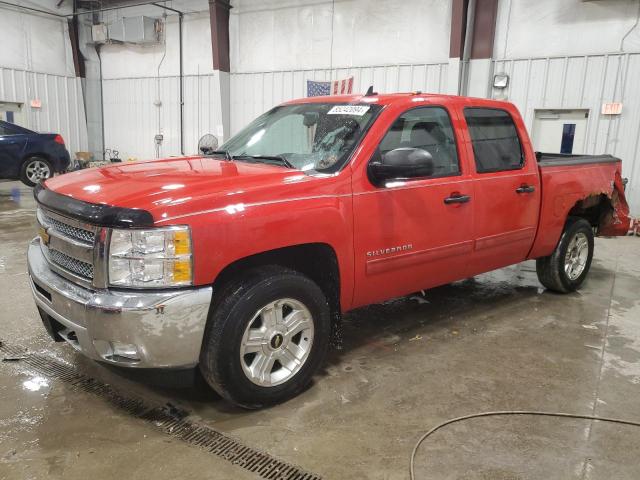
(309, 137)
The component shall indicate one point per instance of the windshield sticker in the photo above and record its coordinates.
(358, 110)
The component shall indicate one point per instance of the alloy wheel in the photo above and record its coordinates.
(575, 260)
(37, 170)
(277, 342)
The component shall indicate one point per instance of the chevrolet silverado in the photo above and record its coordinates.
(241, 260)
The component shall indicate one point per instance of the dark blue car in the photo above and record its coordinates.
(30, 156)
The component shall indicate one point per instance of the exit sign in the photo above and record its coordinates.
(612, 108)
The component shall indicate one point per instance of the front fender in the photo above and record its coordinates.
(224, 236)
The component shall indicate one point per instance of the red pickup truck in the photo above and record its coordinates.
(242, 260)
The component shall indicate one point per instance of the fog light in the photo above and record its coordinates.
(125, 350)
(117, 352)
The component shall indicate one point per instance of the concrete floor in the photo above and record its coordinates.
(494, 342)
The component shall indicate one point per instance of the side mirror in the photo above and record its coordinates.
(207, 144)
(400, 163)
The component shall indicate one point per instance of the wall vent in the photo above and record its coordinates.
(139, 30)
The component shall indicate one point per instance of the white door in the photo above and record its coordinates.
(11, 112)
(560, 131)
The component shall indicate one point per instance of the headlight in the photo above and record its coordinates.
(159, 257)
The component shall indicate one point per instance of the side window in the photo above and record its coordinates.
(496, 145)
(428, 128)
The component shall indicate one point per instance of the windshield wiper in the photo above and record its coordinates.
(281, 159)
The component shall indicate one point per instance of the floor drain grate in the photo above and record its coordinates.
(166, 418)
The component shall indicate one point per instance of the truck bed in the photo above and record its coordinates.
(576, 182)
(560, 159)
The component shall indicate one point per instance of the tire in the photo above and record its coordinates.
(241, 336)
(567, 267)
(34, 170)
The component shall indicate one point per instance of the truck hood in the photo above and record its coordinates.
(172, 187)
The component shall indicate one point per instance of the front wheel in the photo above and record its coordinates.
(567, 267)
(267, 334)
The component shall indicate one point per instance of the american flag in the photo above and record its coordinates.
(336, 87)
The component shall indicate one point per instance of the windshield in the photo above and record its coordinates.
(311, 136)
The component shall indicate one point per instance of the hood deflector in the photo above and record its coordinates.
(97, 214)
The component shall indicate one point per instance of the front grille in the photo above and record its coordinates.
(70, 231)
(69, 245)
(71, 264)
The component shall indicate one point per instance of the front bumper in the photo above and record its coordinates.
(166, 327)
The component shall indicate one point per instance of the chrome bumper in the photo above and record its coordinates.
(165, 327)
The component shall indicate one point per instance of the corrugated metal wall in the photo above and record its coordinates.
(585, 82)
(129, 106)
(62, 104)
(254, 93)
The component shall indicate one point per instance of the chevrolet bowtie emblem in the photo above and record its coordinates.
(276, 341)
(44, 236)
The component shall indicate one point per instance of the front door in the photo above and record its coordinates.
(413, 234)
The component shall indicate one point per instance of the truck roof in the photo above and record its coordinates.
(400, 98)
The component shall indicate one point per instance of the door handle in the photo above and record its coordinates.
(525, 189)
(457, 198)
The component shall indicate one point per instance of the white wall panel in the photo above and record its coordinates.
(132, 119)
(135, 78)
(34, 43)
(143, 61)
(254, 93)
(36, 63)
(585, 82)
(62, 106)
(533, 28)
(283, 35)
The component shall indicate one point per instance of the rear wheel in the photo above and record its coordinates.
(567, 267)
(34, 170)
(267, 334)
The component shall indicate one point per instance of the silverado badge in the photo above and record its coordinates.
(385, 251)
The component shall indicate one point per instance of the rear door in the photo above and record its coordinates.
(506, 187)
(415, 233)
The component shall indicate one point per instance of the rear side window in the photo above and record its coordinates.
(496, 145)
(428, 128)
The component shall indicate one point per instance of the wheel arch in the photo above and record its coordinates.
(29, 155)
(318, 261)
(597, 209)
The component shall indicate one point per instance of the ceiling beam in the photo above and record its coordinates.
(484, 29)
(459, 10)
(219, 19)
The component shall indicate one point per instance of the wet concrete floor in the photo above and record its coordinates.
(494, 342)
